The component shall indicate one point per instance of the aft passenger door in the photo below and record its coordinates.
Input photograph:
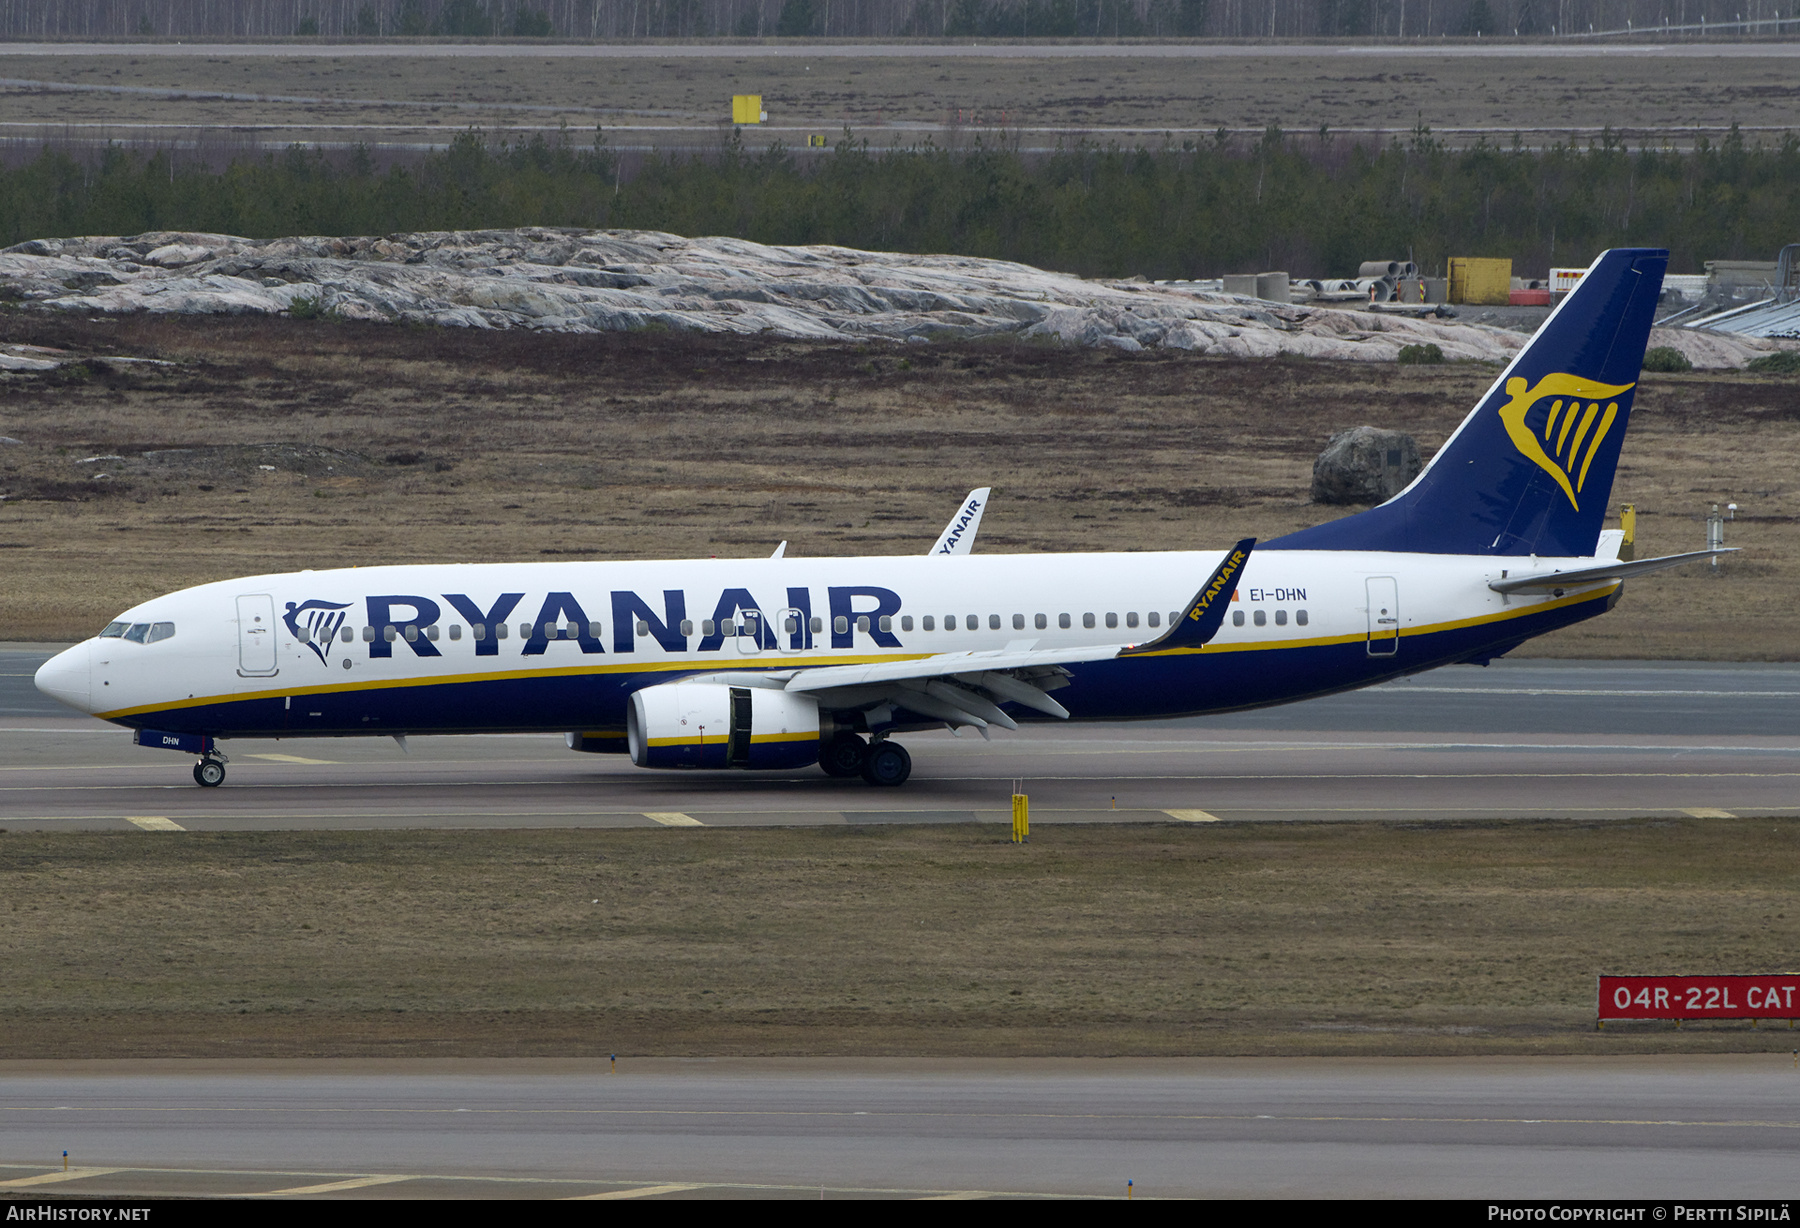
(1384, 616)
(256, 636)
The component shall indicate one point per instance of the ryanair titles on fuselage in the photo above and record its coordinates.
(847, 611)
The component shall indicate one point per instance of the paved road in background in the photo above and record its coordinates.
(1516, 740)
(1660, 1128)
(925, 51)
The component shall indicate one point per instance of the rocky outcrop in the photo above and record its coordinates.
(597, 281)
(1364, 465)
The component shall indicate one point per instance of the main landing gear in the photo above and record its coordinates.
(885, 764)
(209, 773)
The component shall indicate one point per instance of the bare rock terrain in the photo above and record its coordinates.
(611, 281)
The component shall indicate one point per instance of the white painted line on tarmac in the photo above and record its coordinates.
(153, 822)
(290, 759)
(332, 1187)
(1192, 816)
(672, 818)
(1707, 812)
(73, 1174)
(642, 1191)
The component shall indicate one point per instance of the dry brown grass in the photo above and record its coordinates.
(1299, 94)
(453, 445)
(1256, 938)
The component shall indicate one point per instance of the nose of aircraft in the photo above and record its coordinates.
(64, 677)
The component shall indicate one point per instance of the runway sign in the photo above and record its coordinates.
(1699, 997)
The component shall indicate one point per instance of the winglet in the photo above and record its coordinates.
(958, 536)
(1206, 612)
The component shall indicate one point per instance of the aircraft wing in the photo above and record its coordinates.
(967, 688)
(958, 536)
(1614, 569)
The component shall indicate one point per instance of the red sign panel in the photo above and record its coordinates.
(1700, 997)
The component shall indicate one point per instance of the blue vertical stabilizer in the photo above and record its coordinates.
(1530, 471)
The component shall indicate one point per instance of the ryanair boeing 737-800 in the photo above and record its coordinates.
(782, 663)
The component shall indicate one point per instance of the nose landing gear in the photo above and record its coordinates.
(209, 773)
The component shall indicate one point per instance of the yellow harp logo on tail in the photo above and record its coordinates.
(1572, 425)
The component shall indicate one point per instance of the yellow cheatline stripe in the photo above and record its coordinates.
(153, 822)
(1192, 816)
(577, 671)
(642, 1191)
(330, 1187)
(671, 818)
(802, 736)
(74, 1174)
(801, 663)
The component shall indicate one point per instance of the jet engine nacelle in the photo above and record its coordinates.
(713, 725)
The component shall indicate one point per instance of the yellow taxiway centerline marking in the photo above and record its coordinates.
(1192, 816)
(74, 1174)
(642, 1191)
(153, 822)
(332, 1187)
(290, 759)
(1707, 812)
(672, 818)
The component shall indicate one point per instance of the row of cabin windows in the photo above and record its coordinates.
(1261, 618)
(746, 626)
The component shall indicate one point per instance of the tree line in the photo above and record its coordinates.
(1314, 206)
(613, 20)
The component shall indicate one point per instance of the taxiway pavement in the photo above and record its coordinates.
(1676, 1127)
(1533, 739)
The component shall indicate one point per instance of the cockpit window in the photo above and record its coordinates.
(114, 631)
(138, 632)
(160, 631)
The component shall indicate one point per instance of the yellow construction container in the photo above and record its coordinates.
(1477, 279)
(746, 109)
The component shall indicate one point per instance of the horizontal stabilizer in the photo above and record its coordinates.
(1616, 569)
(1206, 612)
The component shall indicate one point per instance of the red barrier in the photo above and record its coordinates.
(1699, 997)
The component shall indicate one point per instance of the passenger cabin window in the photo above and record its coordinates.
(1260, 618)
(478, 632)
(456, 631)
(862, 623)
(114, 630)
(524, 631)
(1154, 618)
(993, 622)
(1040, 622)
(346, 634)
(594, 630)
(906, 622)
(1131, 619)
(1018, 622)
(1112, 620)
(886, 623)
(1062, 620)
(840, 624)
(1237, 618)
(1281, 618)
(928, 623)
(687, 628)
(818, 624)
(1087, 620)
(1300, 617)
(500, 631)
